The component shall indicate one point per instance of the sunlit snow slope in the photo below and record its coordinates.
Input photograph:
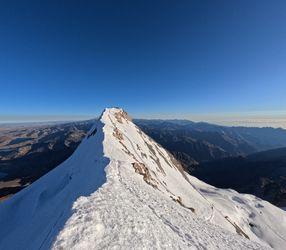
(120, 189)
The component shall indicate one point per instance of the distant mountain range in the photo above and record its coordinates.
(194, 143)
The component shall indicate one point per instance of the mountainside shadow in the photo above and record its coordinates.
(34, 217)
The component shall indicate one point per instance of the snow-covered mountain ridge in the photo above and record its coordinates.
(122, 190)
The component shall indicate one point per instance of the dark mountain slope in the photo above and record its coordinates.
(199, 142)
(262, 174)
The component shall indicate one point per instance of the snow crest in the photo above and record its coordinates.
(121, 190)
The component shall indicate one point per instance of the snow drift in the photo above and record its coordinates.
(120, 189)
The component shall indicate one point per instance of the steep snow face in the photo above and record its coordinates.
(120, 189)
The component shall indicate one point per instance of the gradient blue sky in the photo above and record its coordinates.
(153, 58)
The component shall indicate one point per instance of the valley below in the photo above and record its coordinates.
(28, 151)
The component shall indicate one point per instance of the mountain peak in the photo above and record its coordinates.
(119, 113)
(120, 189)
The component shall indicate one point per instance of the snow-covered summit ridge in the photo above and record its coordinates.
(120, 189)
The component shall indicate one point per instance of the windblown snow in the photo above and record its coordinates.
(121, 190)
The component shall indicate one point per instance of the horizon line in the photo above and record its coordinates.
(274, 121)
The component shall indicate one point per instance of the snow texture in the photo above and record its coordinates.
(121, 190)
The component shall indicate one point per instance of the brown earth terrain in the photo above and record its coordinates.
(29, 151)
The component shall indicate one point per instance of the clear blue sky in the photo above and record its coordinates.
(149, 57)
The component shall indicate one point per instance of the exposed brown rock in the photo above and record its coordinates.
(141, 169)
(237, 228)
(122, 115)
(118, 134)
(180, 201)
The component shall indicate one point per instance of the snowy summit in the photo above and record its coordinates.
(122, 190)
